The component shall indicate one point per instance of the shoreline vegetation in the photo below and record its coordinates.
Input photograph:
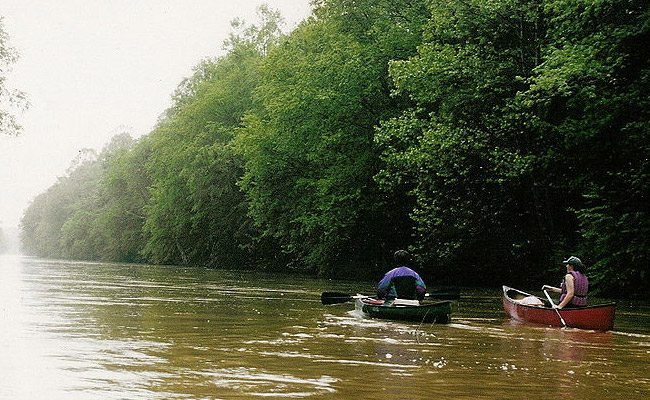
(491, 139)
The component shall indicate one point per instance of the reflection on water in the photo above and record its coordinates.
(74, 331)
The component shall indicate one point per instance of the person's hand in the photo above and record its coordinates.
(544, 287)
(555, 306)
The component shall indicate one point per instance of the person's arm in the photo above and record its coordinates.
(570, 291)
(383, 287)
(552, 289)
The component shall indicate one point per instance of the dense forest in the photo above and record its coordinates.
(492, 138)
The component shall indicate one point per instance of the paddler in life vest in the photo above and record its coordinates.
(574, 287)
(401, 282)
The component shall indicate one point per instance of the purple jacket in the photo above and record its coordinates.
(386, 289)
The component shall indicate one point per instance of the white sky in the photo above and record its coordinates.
(92, 67)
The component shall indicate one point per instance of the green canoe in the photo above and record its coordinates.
(438, 312)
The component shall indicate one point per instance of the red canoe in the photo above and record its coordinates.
(599, 317)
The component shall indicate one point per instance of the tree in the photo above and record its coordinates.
(590, 94)
(197, 213)
(493, 137)
(44, 231)
(124, 194)
(528, 139)
(10, 100)
(459, 151)
(64, 221)
(310, 156)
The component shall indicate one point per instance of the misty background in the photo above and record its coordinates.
(94, 69)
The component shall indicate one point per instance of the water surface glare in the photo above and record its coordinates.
(74, 330)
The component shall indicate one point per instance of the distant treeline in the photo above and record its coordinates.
(3, 241)
(491, 138)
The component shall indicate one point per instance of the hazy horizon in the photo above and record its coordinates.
(92, 71)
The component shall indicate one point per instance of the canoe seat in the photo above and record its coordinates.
(530, 301)
(405, 302)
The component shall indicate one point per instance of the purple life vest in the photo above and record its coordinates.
(580, 288)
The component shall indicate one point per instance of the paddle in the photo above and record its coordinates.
(451, 294)
(556, 310)
(336, 298)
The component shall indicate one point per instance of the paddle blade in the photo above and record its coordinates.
(451, 294)
(334, 298)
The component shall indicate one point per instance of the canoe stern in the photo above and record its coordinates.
(438, 312)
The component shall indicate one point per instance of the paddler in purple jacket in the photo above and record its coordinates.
(401, 282)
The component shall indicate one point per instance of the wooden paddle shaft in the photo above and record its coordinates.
(553, 305)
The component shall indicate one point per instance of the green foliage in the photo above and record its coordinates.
(491, 137)
(523, 108)
(592, 93)
(460, 152)
(125, 193)
(310, 156)
(197, 213)
(64, 222)
(11, 101)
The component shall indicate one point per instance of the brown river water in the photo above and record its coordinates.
(73, 330)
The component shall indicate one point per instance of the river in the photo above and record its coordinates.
(77, 330)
